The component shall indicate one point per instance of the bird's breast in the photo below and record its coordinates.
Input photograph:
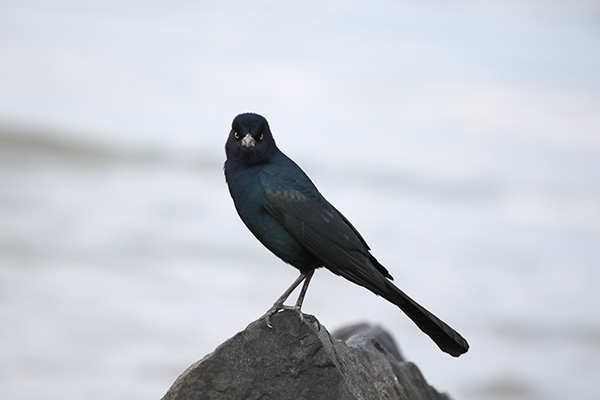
(250, 199)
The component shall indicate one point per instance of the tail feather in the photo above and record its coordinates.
(447, 339)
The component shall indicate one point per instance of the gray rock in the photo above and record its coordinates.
(301, 360)
(381, 337)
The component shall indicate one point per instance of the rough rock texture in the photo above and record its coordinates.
(381, 337)
(301, 360)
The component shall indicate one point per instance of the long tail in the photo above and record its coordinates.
(447, 339)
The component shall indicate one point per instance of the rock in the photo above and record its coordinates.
(301, 360)
(381, 337)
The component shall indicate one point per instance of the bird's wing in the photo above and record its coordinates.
(298, 206)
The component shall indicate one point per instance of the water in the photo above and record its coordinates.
(460, 139)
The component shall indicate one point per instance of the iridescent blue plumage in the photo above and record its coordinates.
(284, 210)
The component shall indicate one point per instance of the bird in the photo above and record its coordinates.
(285, 211)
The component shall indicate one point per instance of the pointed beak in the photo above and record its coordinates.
(248, 141)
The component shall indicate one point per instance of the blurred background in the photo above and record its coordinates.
(461, 138)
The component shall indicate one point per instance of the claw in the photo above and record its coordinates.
(269, 313)
(273, 310)
(278, 307)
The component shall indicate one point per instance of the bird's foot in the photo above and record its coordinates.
(278, 307)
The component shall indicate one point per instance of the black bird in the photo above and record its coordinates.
(287, 214)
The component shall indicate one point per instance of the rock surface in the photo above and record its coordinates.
(301, 360)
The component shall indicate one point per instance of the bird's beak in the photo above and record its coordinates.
(248, 141)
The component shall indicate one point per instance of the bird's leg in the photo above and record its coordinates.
(307, 279)
(300, 300)
(278, 305)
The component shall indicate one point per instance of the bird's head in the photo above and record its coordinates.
(250, 140)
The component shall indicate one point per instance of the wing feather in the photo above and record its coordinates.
(322, 229)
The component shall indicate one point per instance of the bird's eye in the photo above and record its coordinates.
(260, 137)
(237, 135)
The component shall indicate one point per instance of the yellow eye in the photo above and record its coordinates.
(261, 137)
(237, 135)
